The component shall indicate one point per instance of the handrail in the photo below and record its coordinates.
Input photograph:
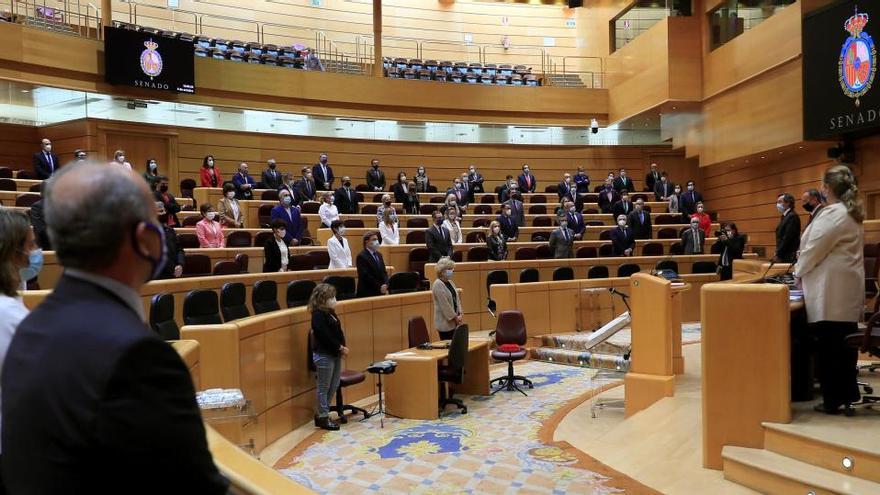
(63, 14)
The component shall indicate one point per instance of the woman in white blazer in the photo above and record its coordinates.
(453, 226)
(447, 305)
(830, 268)
(338, 248)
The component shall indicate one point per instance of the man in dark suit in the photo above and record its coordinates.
(517, 209)
(323, 174)
(244, 183)
(640, 221)
(437, 239)
(622, 182)
(504, 190)
(91, 396)
(45, 162)
(566, 189)
(271, 176)
(623, 207)
(689, 200)
(812, 199)
(693, 239)
(582, 187)
(372, 276)
(608, 197)
(562, 239)
(375, 177)
(475, 180)
(467, 189)
(38, 221)
(788, 232)
(509, 228)
(176, 256)
(652, 178)
(288, 183)
(527, 182)
(290, 215)
(663, 188)
(575, 220)
(345, 198)
(623, 243)
(305, 187)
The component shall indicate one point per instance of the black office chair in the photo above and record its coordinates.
(298, 292)
(162, 316)
(529, 275)
(563, 273)
(598, 271)
(201, 307)
(628, 269)
(417, 331)
(494, 277)
(704, 267)
(232, 301)
(453, 370)
(667, 265)
(403, 282)
(264, 297)
(347, 378)
(345, 286)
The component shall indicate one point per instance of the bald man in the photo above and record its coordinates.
(93, 401)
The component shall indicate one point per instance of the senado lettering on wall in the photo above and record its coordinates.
(838, 78)
(148, 62)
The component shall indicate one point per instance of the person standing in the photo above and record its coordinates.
(328, 349)
(622, 207)
(90, 394)
(45, 162)
(562, 239)
(411, 204)
(176, 256)
(372, 275)
(447, 306)
(305, 187)
(527, 182)
(831, 270)
(623, 183)
(704, 218)
(640, 221)
(229, 210)
(732, 247)
(375, 177)
(328, 211)
(151, 174)
(209, 230)
(582, 187)
(509, 228)
(813, 202)
(338, 248)
(271, 176)
(422, 180)
(623, 242)
(475, 180)
(276, 254)
(323, 174)
(496, 242)
(400, 189)
(346, 198)
(290, 215)
(437, 239)
(687, 202)
(652, 178)
(244, 183)
(693, 239)
(608, 197)
(386, 205)
(451, 224)
(575, 220)
(565, 189)
(172, 207)
(788, 231)
(674, 205)
(517, 209)
(209, 173)
(119, 159)
(388, 229)
(663, 188)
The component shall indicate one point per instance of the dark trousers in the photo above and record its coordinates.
(726, 272)
(836, 362)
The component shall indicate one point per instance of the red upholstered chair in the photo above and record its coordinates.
(264, 216)
(488, 199)
(27, 199)
(347, 378)
(652, 249)
(510, 336)
(478, 253)
(538, 198)
(417, 331)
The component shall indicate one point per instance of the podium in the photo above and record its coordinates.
(656, 341)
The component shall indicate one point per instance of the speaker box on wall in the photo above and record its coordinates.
(575, 3)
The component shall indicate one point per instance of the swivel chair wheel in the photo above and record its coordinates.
(464, 410)
(849, 411)
(531, 385)
(869, 390)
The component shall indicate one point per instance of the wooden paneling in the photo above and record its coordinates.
(17, 144)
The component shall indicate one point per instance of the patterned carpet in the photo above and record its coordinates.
(501, 446)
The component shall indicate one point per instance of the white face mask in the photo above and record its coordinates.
(448, 273)
(211, 215)
(622, 223)
(121, 159)
(342, 230)
(331, 303)
(230, 194)
(374, 244)
(563, 225)
(695, 226)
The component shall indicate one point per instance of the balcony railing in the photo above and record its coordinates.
(70, 17)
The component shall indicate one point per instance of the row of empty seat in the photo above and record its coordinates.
(529, 275)
(473, 73)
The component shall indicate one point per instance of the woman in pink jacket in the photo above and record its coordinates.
(208, 230)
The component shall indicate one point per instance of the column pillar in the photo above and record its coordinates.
(106, 14)
(377, 38)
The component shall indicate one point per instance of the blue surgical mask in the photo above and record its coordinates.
(374, 244)
(35, 265)
(286, 200)
(780, 207)
(448, 273)
(158, 264)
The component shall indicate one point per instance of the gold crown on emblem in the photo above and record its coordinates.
(152, 45)
(855, 24)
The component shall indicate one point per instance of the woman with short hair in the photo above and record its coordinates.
(447, 306)
(229, 209)
(338, 248)
(276, 254)
(208, 230)
(328, 348)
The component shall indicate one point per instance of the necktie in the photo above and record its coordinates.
(51, 165)
(565, 234)
(378, 262)
(696, 235)
(642, 218)
(529, 181)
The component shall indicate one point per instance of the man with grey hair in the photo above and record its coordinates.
(45, 162)
(562, 239)
(93, 401)
(812, 203)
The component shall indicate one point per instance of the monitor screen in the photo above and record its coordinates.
(839, 70)
(148, 61)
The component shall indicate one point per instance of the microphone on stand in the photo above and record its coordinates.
(623, 297)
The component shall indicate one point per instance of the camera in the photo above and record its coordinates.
(719, 233)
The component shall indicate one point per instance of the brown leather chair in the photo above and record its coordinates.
(417, 331)
(510, 330)
(242, 260)
(197, 265)
(239, 238)
(652, 249)
(587, 252)
(188, 241)
(478, 253)
(525, 253)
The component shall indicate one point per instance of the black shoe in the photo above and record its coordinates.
(316, 420)
(822, 408)
(326, 424)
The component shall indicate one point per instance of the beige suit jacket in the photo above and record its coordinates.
(224, 209)
(444, 312)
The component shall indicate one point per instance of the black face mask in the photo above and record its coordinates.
(809, 207)
(163, 188)
(163, 218)
(347, 184)
(375, 166)
(387, 203)
(272, 166)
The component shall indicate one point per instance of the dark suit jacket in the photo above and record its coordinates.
(524, 186)
(688, 202)
(461, 196)
(306, 190)
(497, 247)
(651, 180)
(293, 221)
(509, 228)
(735, 247)
(641, 230)
(271, 256)
(439, 243)
(371, 275)
(687, 240)
(563, 190)
(788, 237)
(582, 183)
(374, 181)
(270, 181)
(399, 195)
(92, 397)
(41, 165)
(576, 223)
(411, 204)
(618, 209)
(294, 194)
(604, 204)
(503, 194)
(517, 212)
(475, 182)
(621, 240)
(176, 256)
(318, 175)
(346, 202)
(171, 205)
(658, 190)
(560, 246)
(239, 181)
(38, 221)
(621, 184)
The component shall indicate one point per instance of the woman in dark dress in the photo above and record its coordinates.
(328, 349)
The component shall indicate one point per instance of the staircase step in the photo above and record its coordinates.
(826, 448)
(584, 359)
(769, 472)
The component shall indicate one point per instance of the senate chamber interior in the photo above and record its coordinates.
(439, 247)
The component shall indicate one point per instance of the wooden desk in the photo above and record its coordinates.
(412, 391)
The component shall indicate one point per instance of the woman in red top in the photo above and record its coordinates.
(705, 221)
(210, 174)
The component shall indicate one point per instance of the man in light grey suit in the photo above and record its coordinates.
(562, 239)
(517, 209)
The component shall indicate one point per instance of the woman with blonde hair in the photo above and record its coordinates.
(830, 269)
(496, 242)
(328, 348)
(447, 306)
(453, 226)
(388, 228)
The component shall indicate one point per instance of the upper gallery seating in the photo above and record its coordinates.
(460, 72)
